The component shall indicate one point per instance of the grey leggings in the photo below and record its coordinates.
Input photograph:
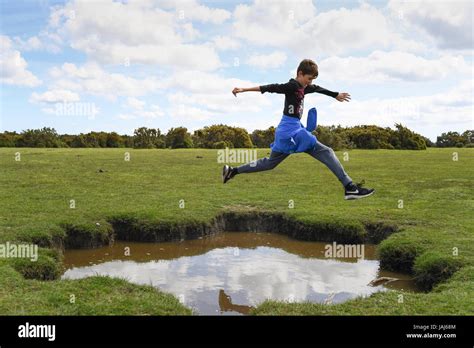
(320, 151)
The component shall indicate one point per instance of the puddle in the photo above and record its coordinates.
(231, 272)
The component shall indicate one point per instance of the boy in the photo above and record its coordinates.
(291, 137)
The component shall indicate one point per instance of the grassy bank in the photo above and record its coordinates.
(426, 195)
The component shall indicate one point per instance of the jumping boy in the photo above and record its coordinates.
(292, 137)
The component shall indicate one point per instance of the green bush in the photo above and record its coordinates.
(222, 145)
(148, 138)
(263, 138)
(44, 137)
(333, 137)
(454, 139)
(216, 136)
(8, 139)
(178, 138)
(222, 136)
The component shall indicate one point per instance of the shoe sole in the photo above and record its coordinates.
(224, 173)
(351, 197)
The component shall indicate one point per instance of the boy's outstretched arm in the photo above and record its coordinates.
(281, 88)
(318, 89)
(240, 90)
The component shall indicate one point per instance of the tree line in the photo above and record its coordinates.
(221, 136)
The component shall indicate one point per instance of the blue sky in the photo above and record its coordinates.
(98, 65)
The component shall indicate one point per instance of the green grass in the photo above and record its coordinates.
(89, 296)
(35, 194)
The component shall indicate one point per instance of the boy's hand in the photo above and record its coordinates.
(237, 90)
(343, 97)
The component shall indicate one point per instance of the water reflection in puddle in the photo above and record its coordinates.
(230, 272)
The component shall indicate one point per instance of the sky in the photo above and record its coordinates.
(103, 65)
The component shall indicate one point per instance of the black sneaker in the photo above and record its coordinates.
(356, 191)
(228, 173)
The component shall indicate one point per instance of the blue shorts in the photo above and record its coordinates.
(291, 136)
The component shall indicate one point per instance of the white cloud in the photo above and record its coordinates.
(428, 115)
(55, 96)
(126, 116)
(196, 96)
(190, 33)
(188, 56)
(344, 29)
(33, 43)
(91, 78)
(138, 109)
(138, 32)
(213, 93)
(277, 25)
(224, 43)
(192, 10)
(382, 66)
(297, 27)
(221, 103)
(190, 113)
(13, 69)
(154, 111)
(448, 23)
(135, 103)
(50, 42)
(267, 61)
(272, 117)
(62, 102)
(198, 93)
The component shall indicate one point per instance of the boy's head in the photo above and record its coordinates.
(307, 71)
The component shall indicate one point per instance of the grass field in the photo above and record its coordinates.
(426, 194)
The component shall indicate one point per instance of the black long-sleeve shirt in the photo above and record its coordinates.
(294, 95)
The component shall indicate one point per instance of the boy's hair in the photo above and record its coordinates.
(308, 67)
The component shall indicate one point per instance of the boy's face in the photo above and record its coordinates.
(305, 79)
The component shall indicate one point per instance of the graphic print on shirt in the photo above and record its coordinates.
(299, 94)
